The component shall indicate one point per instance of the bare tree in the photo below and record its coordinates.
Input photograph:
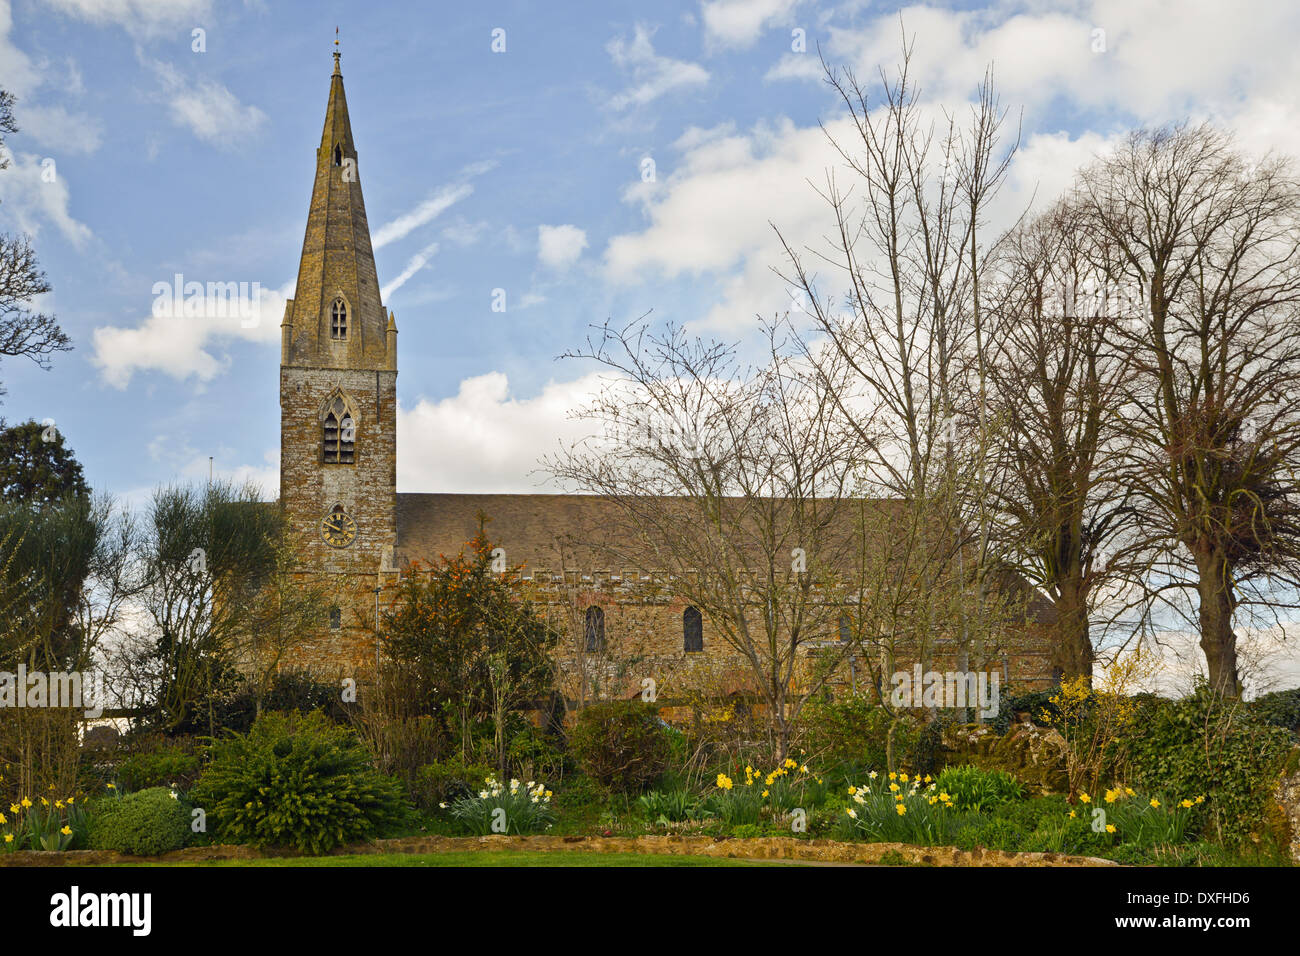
(23, 332)
(733, 482)
(910, 331)
(1204, 241)
(1055, 379)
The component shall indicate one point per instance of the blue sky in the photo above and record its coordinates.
(519, 170)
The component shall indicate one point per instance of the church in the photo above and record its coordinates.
(338, 486)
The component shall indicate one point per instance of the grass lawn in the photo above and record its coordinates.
(487, 858)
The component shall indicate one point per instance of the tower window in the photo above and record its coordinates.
(338, 155)
(595, 630)
(339, 320)
(336, 618)
(846, 631)
(693, 630)
(339, 434)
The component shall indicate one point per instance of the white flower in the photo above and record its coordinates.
(174, 797)
(853, 813)
(482, 794)
(443, 806)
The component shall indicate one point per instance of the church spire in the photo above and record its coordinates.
(336, 318)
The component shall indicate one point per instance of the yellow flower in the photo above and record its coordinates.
(1071, 814)
(892, 775)
(58, 804)
(851, 812)
(1129, 791)
(803, 769)
(1186, 804)
(1085, 798)
(927, 778)
(2, 818)
(943, 795)
(1112, 796)
(1154, 802)
(893, 787)
(112, 786)
(66, 831)
(26, 802)
(902, 810)
(9, 838)
(1200, 799)
(724, 782)
(852, 790)
(14, 808)
(1110, 828)
(765, 793)
(903, 777)
(70, 799)
(44, 802)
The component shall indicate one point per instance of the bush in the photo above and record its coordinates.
(622, 744)
(1206, 746)
(169, 764)
(994, 833)
(1279, 709)
(974, 789)
(296, 781)
(446, 781)
(849, 734)
(146, 823)
(289, 690)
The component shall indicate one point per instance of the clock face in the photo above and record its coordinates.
(338, 528)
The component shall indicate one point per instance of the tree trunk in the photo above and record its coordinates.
(1074, 655)
(1218, 640)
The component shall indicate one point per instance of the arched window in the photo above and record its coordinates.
(339, 433)
(338, 155)
(336, 618)
(595, 630)
(339, 320)
(693, 630)
(846, 632)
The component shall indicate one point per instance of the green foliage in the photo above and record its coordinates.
(296, 780)
(146, 823)
(1204, 745)
(849, 734)
(167, 764)
(621, 744)
(446, 781)
(994, 833)
(1037, 704)
(37, 471)
(673, 806)
(974, 789)
(235, 706)
(469, 645)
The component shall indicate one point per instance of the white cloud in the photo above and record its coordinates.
(186, 347)
(484, 439)
(138, 17)
(560, 246)
(738, 23)
(413, 265)
(208, 109)
(56, 128)
(431, 208)
(28, 199)
(652, 75)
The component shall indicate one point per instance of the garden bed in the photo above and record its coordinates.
(758, 848)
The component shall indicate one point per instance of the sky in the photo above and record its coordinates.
(595, 161)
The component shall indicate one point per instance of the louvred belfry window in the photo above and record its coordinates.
(339, 320)
(693, 630)
(340, 434)
(595, 630)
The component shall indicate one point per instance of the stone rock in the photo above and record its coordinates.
(1036, 756)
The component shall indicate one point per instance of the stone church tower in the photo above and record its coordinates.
(338, 379)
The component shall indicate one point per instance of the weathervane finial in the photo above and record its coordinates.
(336, 51)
